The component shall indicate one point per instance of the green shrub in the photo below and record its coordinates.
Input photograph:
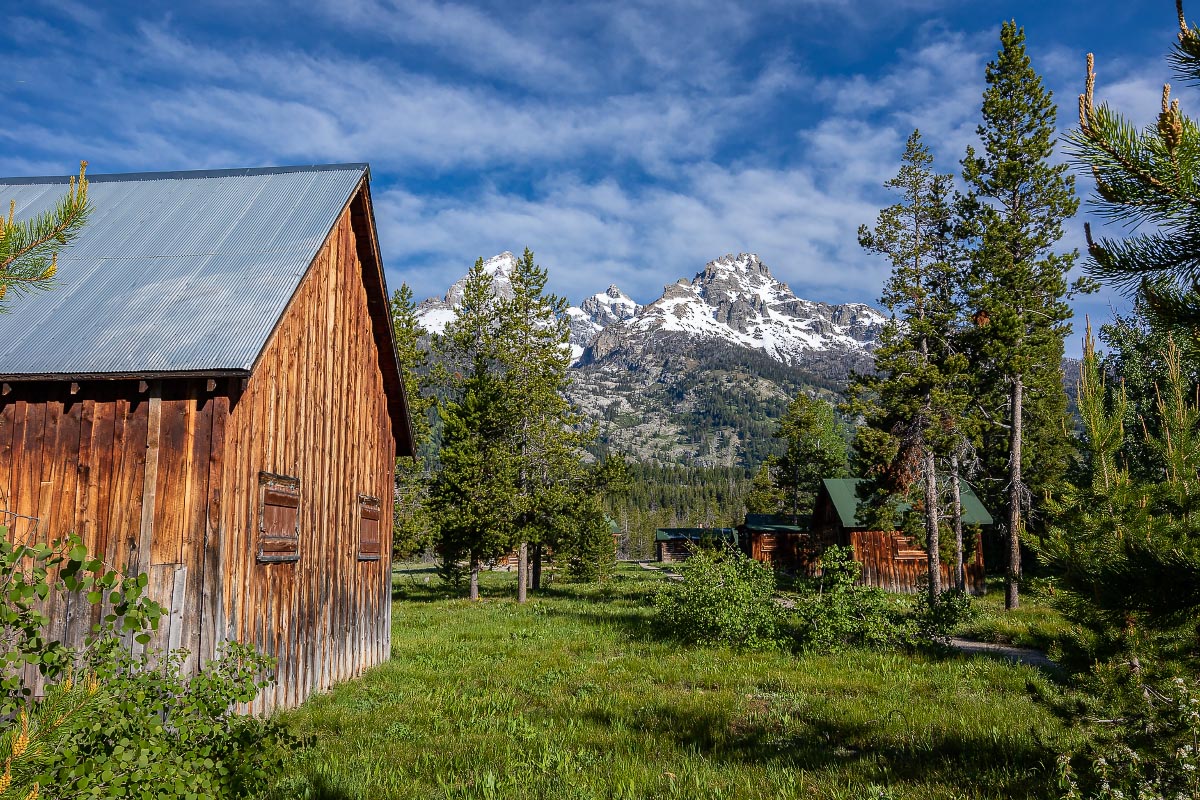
(836, 613)
(112, 724)
(937, 619)
(26, 583)
(725, 598)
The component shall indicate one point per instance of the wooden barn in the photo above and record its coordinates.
(676, 544)
(890, 559)
(211, 396)
(782, 540)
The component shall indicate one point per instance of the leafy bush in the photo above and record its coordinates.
(937, 619)
(25, 576)
(725, 598)
(836, 613)
(112, 724)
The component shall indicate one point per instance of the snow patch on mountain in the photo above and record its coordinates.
(734, 299)
(595, 314)
(436, 313)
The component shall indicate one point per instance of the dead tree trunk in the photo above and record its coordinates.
(960, 575)
(1015, 498)
(474, 577)
(523, 572)
(537, 567)
(931, 526)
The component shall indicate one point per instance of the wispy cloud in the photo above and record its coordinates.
(631, 142)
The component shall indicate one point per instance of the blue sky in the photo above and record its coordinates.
(625, 142)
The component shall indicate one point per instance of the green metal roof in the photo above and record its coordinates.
(695, 534)
(844, 494)
(778, 523)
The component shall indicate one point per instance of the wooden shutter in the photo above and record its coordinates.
(370, 541)
(278, 518)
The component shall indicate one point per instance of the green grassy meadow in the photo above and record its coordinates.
(576, 695)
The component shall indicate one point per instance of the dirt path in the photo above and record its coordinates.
(1022, 655)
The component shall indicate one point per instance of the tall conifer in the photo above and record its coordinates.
(471, 492)
(913, 400)
(547, 435)
(1016, 283)
(411, 524)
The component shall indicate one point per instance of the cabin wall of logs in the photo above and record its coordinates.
(893, 562)
(260, 507)
(890, 560)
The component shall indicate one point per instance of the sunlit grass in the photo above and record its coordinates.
(575, 696)
(1036, 623)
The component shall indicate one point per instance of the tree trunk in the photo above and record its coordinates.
(522, 572)
(474, 577)
(960, 574)
(536, 576)
(1011, 593)
(931, 526)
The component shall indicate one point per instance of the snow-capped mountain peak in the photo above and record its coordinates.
(736, 299)
(595, 314)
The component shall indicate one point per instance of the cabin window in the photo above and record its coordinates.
(278, 518)
(370, 542)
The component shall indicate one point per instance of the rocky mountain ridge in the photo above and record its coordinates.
(700, 374)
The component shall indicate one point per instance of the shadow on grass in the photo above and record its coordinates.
(632, 623)
(1010, 766)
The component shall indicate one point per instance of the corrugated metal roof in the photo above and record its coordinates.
(174, 272)
(844, 494)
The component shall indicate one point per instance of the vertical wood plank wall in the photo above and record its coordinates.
(315, 409)
(165, 481)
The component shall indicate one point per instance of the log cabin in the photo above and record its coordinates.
(781, 540)
(676, 544)
(211, 396)
(891, 560)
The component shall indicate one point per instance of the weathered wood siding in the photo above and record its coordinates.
(315, 410)
(672, 551)
(163, 477)
(893, 562)
(794, 551)
(91, 463)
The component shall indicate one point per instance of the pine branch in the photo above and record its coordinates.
(29, 248)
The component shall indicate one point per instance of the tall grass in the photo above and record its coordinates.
(573, 696)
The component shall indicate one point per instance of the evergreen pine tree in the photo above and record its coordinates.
(1136, 343)
(764, 496)
(1123, 547)
(1016, 283)
(471, 492)
(29, 248)
(912, 402)
(815, 450)
(1148, 179)
(411, 526)
(547, 435)
(470, 495)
